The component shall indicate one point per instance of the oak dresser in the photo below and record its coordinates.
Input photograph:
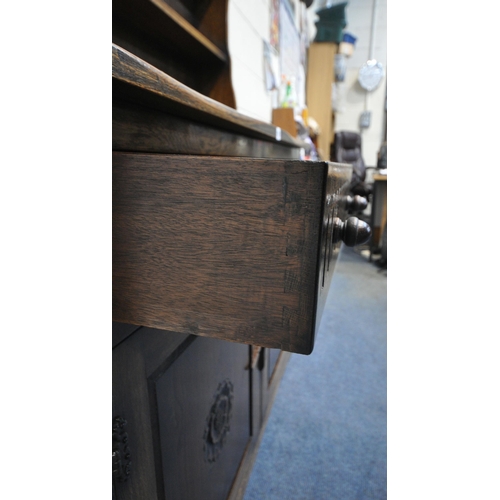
(224, 245)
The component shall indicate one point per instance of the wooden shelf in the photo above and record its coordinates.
(142, 83)
(189, 29)
(189, 45)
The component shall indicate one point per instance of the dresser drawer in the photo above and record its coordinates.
(233, 248)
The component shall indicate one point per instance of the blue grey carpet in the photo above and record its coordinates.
(326, 436)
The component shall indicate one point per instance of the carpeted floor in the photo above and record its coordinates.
(326, 436)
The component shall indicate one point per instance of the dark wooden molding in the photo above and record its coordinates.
(140, 82)
(187, 40)
(190, 29)
(143, 129)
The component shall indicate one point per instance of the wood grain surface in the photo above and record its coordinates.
(140, 82)
(142, 129)
(222, 247)
(189, 29)
(335, 205)
(181, 398)
(163, 385)
(186, 40)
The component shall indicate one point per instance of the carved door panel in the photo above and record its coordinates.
(203, 402)
(185, 401)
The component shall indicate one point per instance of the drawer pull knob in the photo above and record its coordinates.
(356, 203)
(352, 232)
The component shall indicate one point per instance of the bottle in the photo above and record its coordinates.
(290, 98)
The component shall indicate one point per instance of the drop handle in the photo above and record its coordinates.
(356, 203)
(352, 232)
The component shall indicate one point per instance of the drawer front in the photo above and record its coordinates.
(230, 248)
(334, 208)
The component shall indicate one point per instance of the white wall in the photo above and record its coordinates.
(249, 25)
(354, 98)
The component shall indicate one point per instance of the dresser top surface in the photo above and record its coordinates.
(137, 80)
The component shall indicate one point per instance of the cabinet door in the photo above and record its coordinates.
(268, 368)
(181, 409)
(233, 248)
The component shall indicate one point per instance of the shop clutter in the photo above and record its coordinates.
(293, 112)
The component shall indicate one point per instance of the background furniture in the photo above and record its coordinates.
(378, 221)
(320, 76)
(346, 148)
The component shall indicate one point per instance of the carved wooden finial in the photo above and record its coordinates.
(352, 232)
(356, 203)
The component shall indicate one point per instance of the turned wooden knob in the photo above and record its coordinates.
(356, 204)
(352, 232)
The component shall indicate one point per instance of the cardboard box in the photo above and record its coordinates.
(346, 48)
(284, 119)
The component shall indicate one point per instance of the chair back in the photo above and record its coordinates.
(347, 149)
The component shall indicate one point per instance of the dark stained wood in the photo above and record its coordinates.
(211, 22)
(137, 128)
(162, 56)
(131, 401)
(232, 247)
(185, 26)
(138, 81)
(134, 360)
(185, 395)
(264, 382)
(205, 17)
(378, 218)
(164, 385)
(187, 9)
(222, 89)
(121, 331)
(221, 247)
(336, 189)
(263, 394)
(188, 44)
(160, 21)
